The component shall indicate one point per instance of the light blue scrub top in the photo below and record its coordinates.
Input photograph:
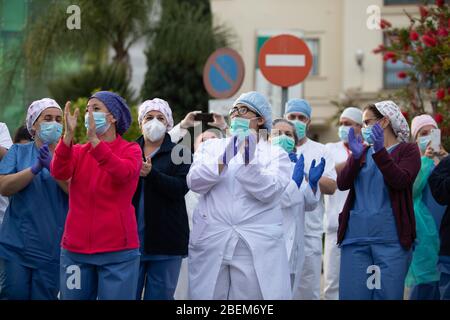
(371, 219)
(34, 220)
(141, 228)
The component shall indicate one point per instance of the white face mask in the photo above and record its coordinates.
(154, 130)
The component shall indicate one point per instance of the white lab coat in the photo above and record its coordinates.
(5, 142)
(182, 291)
(333, 206)
(294, 202)
(335, 202)
(308, 287)
(243, 202)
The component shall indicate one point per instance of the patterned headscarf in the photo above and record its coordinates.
(35, 110)
(156, 105)
(398, 122)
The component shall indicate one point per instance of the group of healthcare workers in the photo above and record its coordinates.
(243, 219)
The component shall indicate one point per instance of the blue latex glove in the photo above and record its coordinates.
(37, 167)
(355, 144)
(299, 171)
(293, 157)
(315, 173)
(45, 157)
(249, 148)
(377, 137)
(230, 150)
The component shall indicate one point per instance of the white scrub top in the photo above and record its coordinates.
(334, 203)
(314, 150)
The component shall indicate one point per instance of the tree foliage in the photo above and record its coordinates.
(177, 52)
(424, 46)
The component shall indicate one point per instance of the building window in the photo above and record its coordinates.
(314, 47)
(401, 2)
(391, 79)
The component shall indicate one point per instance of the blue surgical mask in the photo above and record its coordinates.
(101, 125)
(300, 128)
(240, 127)
(285, 142)
(343, 133)
(50, 132)
(367, 134)
(423, 142)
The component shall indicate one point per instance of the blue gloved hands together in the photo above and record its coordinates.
(293, 157)
(44, 160)
(45, 157)
(377, 137)
(315, 173)
(299, 171)
(355, 144)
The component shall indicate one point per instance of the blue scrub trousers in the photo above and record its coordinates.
(425, 291)
(444, 286)
(98, 280)
(24, 283)
(2, 278)
(160, 278)
(444, 283)
(393, 262)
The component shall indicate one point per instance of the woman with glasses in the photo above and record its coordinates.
(237, 249)
(377, 226)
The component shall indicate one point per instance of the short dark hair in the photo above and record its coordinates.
(22, 134)
(288, 123)
(374, 110)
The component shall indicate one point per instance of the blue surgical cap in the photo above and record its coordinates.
(298, 105)
(258, 103)
(118, 107)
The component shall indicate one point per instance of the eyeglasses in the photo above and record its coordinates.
(241, 110)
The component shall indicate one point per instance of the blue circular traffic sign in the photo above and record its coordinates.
(223, 73)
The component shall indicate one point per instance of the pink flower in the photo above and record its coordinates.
(380, 48)
(405, 114)
(438, 117)
(423, 12)
(442, 32)
(389, 55)
(402, 75)
(385, 24)
(429, 41)
(414, 36)
(440, 3)
(440, 94)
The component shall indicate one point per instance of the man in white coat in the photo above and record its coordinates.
(350, 117)
(237, 249)
(307, 287)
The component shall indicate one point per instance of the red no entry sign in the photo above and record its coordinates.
(285, 60)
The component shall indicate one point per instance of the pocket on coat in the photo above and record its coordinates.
(199, 223)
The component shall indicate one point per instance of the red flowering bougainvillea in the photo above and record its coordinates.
(424, 46)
